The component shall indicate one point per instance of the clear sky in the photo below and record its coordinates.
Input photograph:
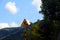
(12, 12)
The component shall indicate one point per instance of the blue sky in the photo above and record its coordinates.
(14, 11)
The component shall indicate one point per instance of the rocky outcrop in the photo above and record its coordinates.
(25, 23)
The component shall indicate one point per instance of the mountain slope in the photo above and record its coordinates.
(12, 33)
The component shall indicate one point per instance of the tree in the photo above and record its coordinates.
(49, 27)
(51, 12)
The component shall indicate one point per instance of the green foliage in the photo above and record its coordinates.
(51, 12)
(51, 9)
(48, 28)
(32, 31)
